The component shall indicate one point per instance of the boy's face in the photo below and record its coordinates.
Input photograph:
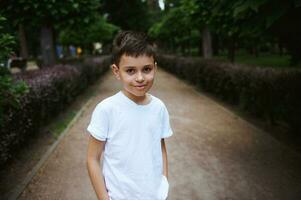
(136, 74)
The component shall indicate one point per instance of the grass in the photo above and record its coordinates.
(60, 125)
(264, 60)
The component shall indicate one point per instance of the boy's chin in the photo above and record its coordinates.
(137, 93)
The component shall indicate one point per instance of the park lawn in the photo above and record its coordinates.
(265, 60)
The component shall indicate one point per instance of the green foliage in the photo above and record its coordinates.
(265, 93)
(232, 23)
(50, 16)
(50, 12)
(51, 91)
(61, 125)
(176, 28)
(6, 43)
(265, 60)
(10, 93)
(171, 24)
(97, 31)
(130, 14)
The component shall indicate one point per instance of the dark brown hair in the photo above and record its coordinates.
(132, 43)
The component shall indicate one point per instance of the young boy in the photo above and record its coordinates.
(130, 128)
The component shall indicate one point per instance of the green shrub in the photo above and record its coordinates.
(272, 95)
(50, 91)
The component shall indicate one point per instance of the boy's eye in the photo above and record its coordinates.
(147, 69)
(129, 71)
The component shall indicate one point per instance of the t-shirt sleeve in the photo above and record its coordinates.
(166, 129)
(99, 124)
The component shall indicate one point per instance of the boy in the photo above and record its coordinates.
(130, 127)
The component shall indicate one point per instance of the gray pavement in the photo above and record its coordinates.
(213, 154)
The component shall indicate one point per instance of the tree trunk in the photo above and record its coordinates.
(215, 45)
(47, 46)
(231, 49)
(153, 4)
(67, 51)
(23, 42)
(207, 43)
(256, 52)
(281, 49)
(295, 52)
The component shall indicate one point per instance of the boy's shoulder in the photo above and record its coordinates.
(158, 101)
(107, 103)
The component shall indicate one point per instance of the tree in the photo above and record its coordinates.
(7, 43)
(46, 16)
(168, 4)
(97, 31)
(9, 90)
(235, 23)
(199, 12)
(283, 22)
(153, 5)
(174, 30)
(128, 15)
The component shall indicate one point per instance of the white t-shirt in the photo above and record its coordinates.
(132, 162)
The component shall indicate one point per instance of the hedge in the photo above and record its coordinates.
(273, 95)
(50, 91)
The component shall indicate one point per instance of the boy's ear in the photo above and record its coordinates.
(156, 66)
(115, 71)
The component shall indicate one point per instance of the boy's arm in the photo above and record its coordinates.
(95, 149)
(164, 158)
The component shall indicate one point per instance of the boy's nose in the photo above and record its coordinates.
(139, 77)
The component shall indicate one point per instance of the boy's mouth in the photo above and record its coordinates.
(140, 86)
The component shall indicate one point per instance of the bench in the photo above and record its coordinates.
(18, 62)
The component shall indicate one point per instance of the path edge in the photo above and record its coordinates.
(21, 187)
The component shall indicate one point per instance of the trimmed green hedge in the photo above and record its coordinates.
(50, 92)
(274, 95)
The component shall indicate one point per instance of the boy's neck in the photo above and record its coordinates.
(142, 100)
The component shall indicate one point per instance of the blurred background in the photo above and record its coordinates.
(246, 53)
(259, 32)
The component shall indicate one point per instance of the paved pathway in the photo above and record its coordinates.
(213, 154)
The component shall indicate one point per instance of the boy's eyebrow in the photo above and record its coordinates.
(129, 67)
(149, 65)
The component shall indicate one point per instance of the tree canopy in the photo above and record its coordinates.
(128, 15)
(48, 18)
(6, 42)
(232, 23)
(98, 31)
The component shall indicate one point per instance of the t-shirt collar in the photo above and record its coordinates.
(130, 101)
